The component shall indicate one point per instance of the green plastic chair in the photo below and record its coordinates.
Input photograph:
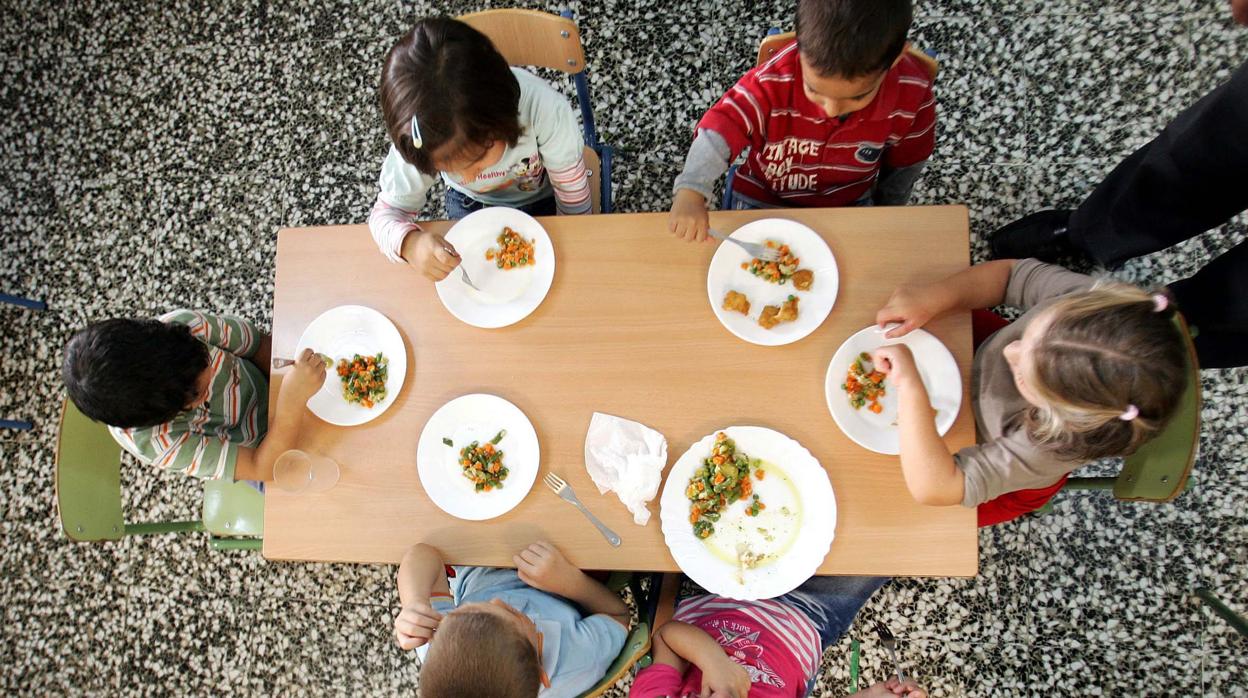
(1159, 470)
(88, 493)
(636, 651)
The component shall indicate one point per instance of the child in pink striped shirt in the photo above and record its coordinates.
(497, 136)
(771, 648)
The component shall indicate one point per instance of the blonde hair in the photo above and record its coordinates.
(1106, 351)
(478, 654)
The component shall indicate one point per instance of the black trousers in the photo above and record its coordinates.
(1190, 178)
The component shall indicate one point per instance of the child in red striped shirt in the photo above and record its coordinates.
(843, 116)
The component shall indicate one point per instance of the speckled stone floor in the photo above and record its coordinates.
(150, 149)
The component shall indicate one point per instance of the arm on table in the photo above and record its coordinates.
(932, 476)
(981, 286)
(283, 434)
(543, 567)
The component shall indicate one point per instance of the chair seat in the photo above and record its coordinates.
(233, 509)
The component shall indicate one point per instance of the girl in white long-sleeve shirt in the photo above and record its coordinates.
(498, 136)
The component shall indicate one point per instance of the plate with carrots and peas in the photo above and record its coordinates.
(509, 258)
(477, 456)
(736, 520)
(862, 399)
(365, 361)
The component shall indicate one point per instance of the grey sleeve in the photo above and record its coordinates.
(1033, 282)
(706, 162)
(895, 185)
(1007, 464)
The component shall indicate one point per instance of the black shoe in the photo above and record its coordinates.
(1041, 235)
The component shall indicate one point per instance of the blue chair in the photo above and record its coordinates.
(20, 424)
(530, 37)
(769, 46)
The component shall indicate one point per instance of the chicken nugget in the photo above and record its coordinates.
(803, 278)
(738, 302)
(768, 317)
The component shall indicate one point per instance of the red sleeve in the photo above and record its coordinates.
(656, 681)
(740, 116)
(919, 141)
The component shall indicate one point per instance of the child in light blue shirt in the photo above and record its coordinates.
(543, 629)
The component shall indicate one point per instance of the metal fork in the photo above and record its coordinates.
(753, 249)
(890, 644)
(560, 487)
(462, 272)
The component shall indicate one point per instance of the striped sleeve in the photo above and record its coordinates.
(741, 115)
(559, 143)
(227, 332)
(176, 448)
(571, 185)
(919, 140)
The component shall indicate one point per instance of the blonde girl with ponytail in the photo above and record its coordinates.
(1092, 369)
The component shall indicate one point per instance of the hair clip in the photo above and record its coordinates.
(417, 141)
(1160, 302)
(1131, 413)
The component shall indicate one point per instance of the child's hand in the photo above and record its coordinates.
(892, 689)
(430, 254)
(543, 567)
(911, 306)
(896, 362)
(725, 679)
(307, 377)
(415, 625)
(688, 219)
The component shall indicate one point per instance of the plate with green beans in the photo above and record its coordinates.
(478, 457)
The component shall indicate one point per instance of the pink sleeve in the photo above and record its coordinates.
(656, 681)
(389, 226)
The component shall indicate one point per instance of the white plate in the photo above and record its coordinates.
(804, 483)
(506, 297)
(726, 274)
(878, 432)
(341, 333)
(468, 418)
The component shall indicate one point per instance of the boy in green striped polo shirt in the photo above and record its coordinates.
(189, 392)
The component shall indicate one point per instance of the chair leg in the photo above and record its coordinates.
(235, 543)
(605, 155)
(1223, 611)
(19, 424)
(147, 529)
(23, 302)
(855, 654)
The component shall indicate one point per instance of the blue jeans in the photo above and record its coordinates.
(459, 204)
(832, 602)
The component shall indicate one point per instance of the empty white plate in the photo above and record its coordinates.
(879, 432)
(506, 296)
(340, 333)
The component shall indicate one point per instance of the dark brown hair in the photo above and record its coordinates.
(1105, 351)
(457, 85)
(479, 654)
(852, 38)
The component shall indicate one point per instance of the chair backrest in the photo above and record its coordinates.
(636, 646)
(88, 478)
(530, 37)
(1158, 470)
(772, 43)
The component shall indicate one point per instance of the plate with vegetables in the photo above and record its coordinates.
(773, 302)
(477, 457)
(509, 257)
(748, 513)
(862, 400)
(365, 359)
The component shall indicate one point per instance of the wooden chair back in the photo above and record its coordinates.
(530, 37)
(773, 43)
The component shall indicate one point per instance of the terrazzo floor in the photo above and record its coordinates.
(150, 150)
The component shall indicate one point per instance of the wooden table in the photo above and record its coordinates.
(626, 329)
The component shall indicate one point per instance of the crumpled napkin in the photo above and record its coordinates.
(627, 458)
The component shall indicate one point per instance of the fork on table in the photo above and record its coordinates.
(753, 249)
(560, 487)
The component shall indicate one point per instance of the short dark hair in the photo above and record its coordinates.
(133, 373)
(458, 86)
(852, 38)
(479, 654)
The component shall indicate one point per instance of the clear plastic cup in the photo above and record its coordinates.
(298, 472)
